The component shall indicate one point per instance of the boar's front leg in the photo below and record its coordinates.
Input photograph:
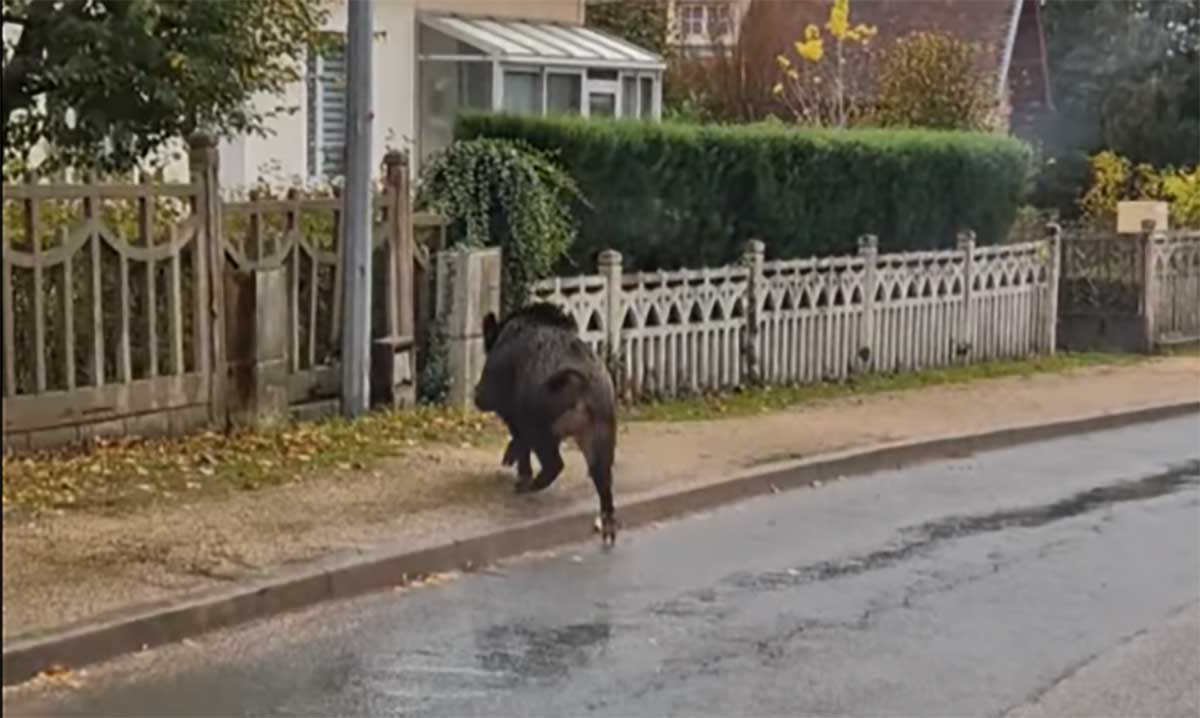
(517, 452)
(546, 447)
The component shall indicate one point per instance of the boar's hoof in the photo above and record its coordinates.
(525, 485)
(607, 526)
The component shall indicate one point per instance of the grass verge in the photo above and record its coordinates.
(125, 474)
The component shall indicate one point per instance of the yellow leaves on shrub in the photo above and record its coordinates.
(1182, 189)
(822, 95)
(839, 19)
(934, 80)
(813, 47)
(1116, 179)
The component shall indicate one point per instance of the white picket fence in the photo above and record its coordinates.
(796, 321)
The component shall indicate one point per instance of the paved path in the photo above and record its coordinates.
(1058, 579)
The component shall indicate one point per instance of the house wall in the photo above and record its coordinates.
(283, 155)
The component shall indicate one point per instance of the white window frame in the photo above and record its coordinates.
(505, 68)
(548, 70)
(708, 19)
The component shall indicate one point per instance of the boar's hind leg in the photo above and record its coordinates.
(600, 454)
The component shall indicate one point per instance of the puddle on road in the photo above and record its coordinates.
(923, 537)
(522, 652)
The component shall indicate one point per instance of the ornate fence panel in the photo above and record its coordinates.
(811, 314)
(1012, 301)
(1101, 274)
(110, 325)
(1129, 292)
(682, 330)
(792, 321)
(1176, 286)
(302, 236)
(115, 299)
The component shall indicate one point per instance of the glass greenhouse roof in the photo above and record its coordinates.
(540, 41)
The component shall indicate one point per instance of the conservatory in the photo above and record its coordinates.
(529, 67)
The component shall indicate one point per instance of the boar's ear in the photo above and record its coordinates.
(490, 327)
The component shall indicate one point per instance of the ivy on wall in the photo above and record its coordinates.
(505, 193)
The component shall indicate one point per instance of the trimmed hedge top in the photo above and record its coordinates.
(671, 195)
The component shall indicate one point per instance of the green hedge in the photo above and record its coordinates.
(670, 195)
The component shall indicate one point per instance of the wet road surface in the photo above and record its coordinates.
(1056, 578)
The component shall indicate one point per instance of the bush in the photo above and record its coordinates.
(935, 80)
(1115, 179)
(669, 195)
(504, 194)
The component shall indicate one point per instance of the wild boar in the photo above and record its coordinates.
(547, 385)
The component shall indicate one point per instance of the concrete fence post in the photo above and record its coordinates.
(754, 258)
(256, 338)
(204, 168)
(1149, 294)
(468, 289)
(868, 249)
(610, 265)
(966, 320)
(393, 356)
(1053, 278)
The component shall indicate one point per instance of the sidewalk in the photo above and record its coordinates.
(65, 568)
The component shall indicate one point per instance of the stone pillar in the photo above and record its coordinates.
(468, 289)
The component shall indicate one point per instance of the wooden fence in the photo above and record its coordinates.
(154, 308)
(806, 320)
(111, 332)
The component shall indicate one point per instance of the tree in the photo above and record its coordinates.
(641, 22)
(733, 83)
(824, 91)
(935, 80)
(1126, 76)
(101, 84)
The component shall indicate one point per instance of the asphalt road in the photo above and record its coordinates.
(1061, 578)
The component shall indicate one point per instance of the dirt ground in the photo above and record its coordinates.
(78, 565)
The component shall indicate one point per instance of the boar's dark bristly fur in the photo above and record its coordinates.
(547, 385)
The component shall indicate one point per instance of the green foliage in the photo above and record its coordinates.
(1126, 77)
(505, 194)
(645, 24)
(433, 385)
(935, 80)
(104, 83)
(674, 195)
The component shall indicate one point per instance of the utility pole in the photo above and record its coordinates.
(356, 217)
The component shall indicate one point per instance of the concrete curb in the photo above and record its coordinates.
(169, 621)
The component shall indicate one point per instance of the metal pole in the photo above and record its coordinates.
(356, 269)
